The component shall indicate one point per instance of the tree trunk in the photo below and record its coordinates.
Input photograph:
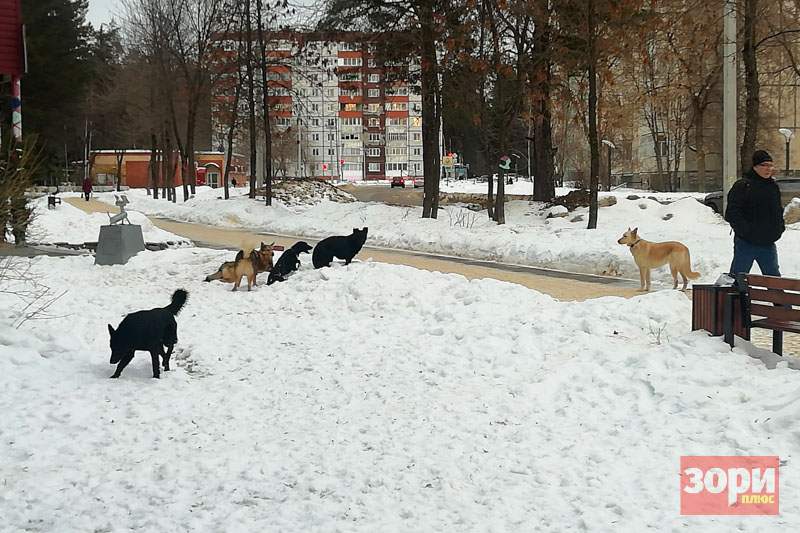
(751, 83)
(431, 157)
(154, 165)
(266, 106)
(700, 154)
(490, 196)
(251, 100)
(594, 166)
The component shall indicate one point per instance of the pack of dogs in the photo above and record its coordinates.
(156, 331)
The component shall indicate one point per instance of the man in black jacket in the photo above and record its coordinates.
(755, 213)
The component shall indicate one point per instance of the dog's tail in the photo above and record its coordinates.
(692, 275)
(178, 299)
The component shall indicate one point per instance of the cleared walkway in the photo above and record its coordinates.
(560, 285)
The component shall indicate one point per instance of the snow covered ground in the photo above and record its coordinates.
(372, 398)
(379, 397)
(528, 237)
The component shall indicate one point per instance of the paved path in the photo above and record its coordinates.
(563, 286)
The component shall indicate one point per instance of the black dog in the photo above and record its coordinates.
(288, 263)
(343, 247)
(147, 330)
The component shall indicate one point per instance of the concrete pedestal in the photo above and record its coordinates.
(118, 243)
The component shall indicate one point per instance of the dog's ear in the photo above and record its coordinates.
(110, 330)
(635, 230)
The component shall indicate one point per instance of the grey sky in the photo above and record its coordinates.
(100, 11)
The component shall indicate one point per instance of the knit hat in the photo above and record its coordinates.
(760, 156)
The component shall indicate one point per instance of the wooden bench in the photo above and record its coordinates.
(52, 202)
(770, 298)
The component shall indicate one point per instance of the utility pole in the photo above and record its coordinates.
(729, 152)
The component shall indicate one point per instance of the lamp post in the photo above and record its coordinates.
(610, 146)
(789, 134)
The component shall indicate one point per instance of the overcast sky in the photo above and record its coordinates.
(100, 11)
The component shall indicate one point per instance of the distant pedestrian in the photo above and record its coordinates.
(233, 182)
(87, 187)
(755, 213)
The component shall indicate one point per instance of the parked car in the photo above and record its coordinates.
(419, 182)
(790, 188)
(398, 181)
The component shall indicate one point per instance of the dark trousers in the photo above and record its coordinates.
(86, 195)
(744, 253)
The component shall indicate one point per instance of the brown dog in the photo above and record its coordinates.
(656, 254)
(247, 264)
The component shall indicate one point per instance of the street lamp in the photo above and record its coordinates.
(789, 134)
(610, 146)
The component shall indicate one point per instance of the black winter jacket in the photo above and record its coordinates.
(754, 209)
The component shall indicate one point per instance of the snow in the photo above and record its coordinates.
(378, 397)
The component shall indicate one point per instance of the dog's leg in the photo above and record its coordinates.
(674, 270)
(127, 358)
(236, 284)
(647, 279)
(641, 279)
(685, 282)
(166, 357)
(154, 359)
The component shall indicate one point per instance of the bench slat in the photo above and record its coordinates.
(779, 313)
(776, 296)
(773, 282)
(767, 323)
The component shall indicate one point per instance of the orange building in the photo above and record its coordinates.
(136, 163)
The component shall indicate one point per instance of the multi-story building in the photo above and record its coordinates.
(337, 111)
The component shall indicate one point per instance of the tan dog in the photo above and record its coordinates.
(656, 254)
(248, 264)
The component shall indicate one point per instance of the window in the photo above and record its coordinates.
(374, 78)
(350, 107)
(352, 151)
(331, 108)
(351, 121)
(396, 166)
(417, 151)
(315, 91)
(374, 93)
(315, 151)
(396, 151)
(351, 136)
(315, 122)
(396, 136)
(315, 137)
(283, 121)
(417, 137)
(397, 91)
(416, 121)
(662, 148)
(398, 121)
(330, 92)
(315, 108)
(351, 166)
(373, 152)
(396, 106)
(375, 137)
(373, 122)
(350, 47)
(350, 61)
(374, 167)
(331, 122)
(331, 136)
(371, 63)
(331, 151)
(373, 108)
(350, 76)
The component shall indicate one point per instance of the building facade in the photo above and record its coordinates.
(337, 111)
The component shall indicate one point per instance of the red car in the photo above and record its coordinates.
(398, 181)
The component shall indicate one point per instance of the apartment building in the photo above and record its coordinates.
(338, 111)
